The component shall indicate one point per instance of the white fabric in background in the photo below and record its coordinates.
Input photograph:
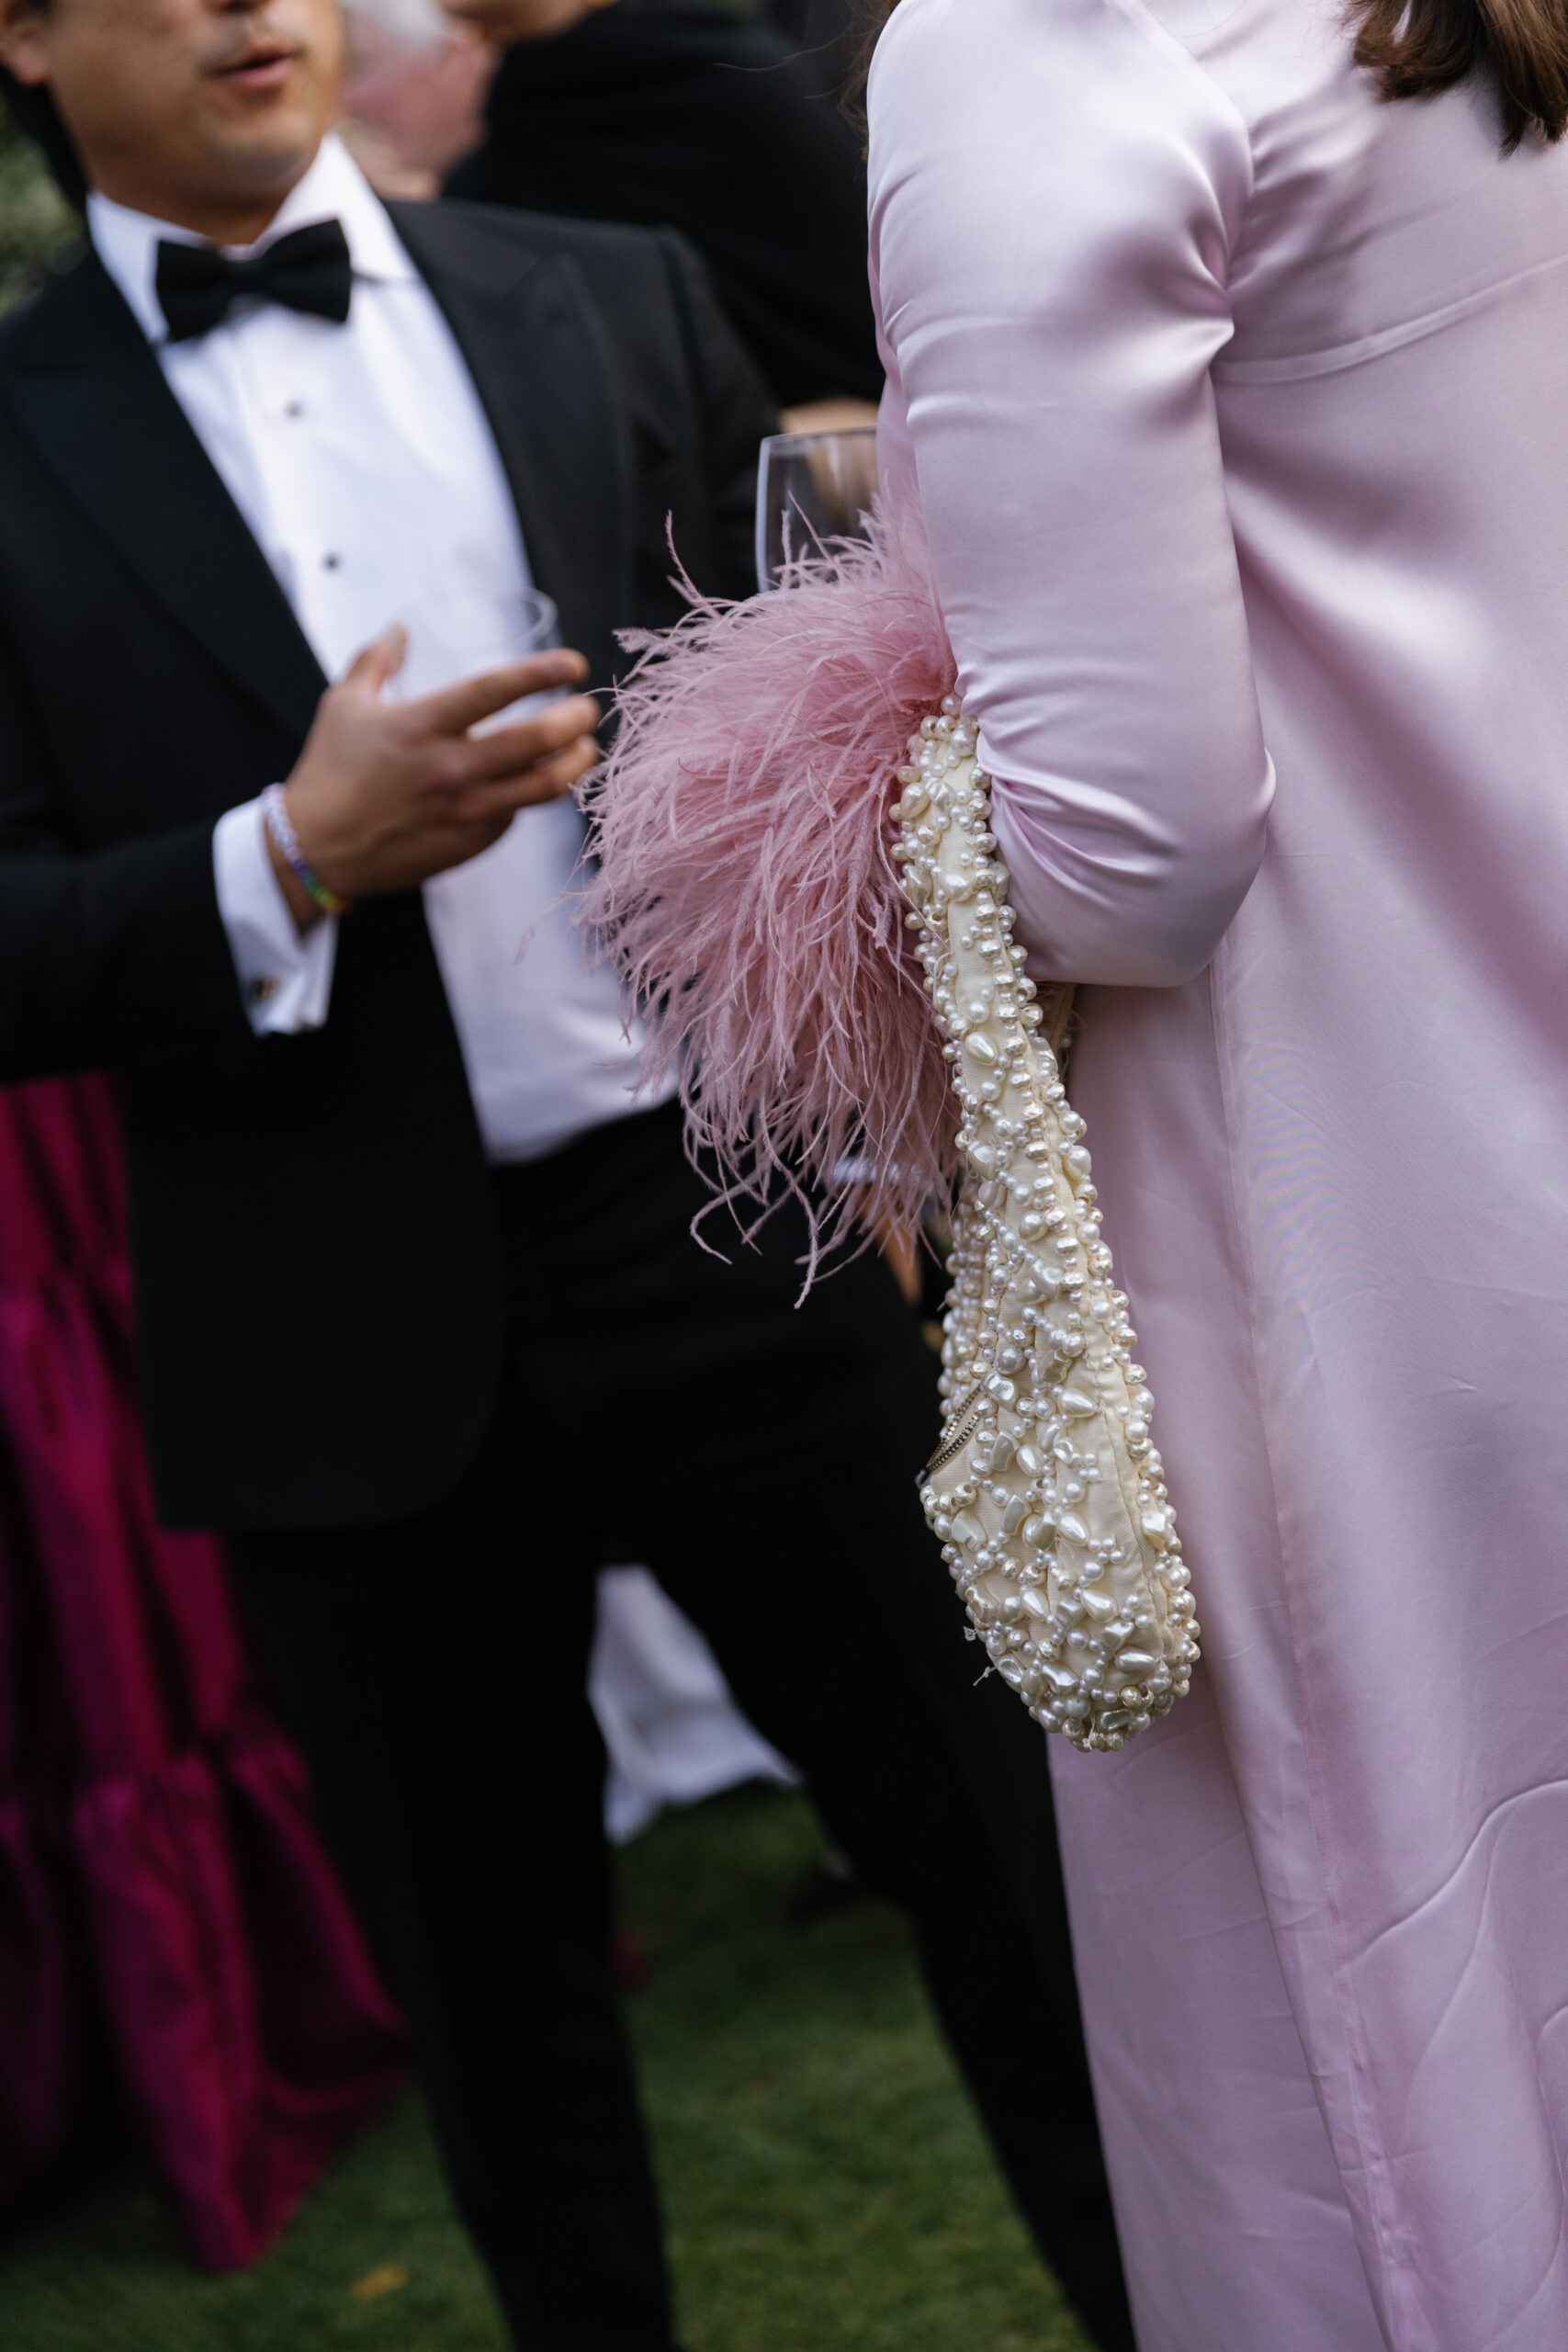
(674, 1731)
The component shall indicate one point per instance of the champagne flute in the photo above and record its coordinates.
(526, 623)
(811, 487)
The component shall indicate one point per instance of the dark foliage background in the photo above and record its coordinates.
(37, 227)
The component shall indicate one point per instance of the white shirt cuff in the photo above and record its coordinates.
(285, 980)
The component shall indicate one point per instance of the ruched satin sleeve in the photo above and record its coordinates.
(1056, 189)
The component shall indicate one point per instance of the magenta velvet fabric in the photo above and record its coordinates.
(162, 1882)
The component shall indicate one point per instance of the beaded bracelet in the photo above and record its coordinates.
(281, 825)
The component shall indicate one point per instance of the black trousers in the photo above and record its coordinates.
(760, 1458)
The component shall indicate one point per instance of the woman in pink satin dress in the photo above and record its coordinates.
(1235, 399)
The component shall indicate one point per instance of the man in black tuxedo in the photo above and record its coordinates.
(422, 1320)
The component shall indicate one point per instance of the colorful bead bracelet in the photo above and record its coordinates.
(281, 825)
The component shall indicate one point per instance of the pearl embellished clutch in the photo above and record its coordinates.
(746, 890)
(1047, 1492)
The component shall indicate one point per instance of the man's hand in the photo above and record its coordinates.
(387, 794)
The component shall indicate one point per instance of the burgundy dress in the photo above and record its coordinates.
(162, 1886)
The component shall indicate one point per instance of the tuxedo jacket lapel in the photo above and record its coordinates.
(85, 386)
(545, 372)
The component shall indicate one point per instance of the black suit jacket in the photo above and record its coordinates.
(319, 1300)
(680, 114)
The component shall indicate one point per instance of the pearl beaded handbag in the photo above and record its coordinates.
(745, 889)
(1047, 1492)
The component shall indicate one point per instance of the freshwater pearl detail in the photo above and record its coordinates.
(1046, 1494)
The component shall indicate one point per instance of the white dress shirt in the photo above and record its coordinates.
(362, 461)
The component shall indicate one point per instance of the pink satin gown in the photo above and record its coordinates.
(1237, 406)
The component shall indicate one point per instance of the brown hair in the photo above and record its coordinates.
(1419, 46)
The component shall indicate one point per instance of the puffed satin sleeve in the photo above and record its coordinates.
(1054, 188)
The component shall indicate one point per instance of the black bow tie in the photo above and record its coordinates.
(307, 270)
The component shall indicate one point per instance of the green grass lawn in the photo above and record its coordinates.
(827, 2188)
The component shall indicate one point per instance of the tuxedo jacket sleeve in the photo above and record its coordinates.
(152, 675)
(108, 956)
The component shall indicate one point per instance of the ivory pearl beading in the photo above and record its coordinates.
(1046, 1492)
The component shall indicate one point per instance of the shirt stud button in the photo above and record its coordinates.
(294, 408)
(261, 991)
(331, 562)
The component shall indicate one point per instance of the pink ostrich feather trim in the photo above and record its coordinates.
(746, 887)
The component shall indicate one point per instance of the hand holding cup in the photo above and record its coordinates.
(386, 794)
